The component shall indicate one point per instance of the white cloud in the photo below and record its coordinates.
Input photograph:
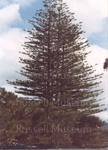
(90, 12)
(103, 115)
(98, 56)
(10, 43)
(8, 15)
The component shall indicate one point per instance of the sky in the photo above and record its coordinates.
(14, 16)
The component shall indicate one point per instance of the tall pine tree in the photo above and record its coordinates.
(56, 69)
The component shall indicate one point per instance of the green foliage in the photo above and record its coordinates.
(28, 122)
